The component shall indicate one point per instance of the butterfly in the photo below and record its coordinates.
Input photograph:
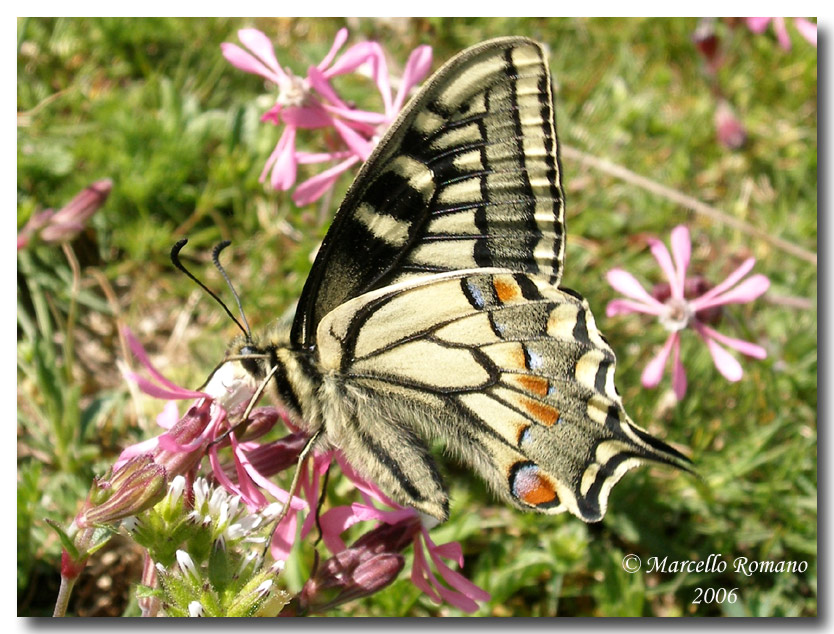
(434, 312)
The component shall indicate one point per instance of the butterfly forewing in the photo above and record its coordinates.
(467, 177)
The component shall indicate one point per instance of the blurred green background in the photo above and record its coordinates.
(152, 105)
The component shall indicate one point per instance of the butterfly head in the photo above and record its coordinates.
(259, 354)
(256, 357)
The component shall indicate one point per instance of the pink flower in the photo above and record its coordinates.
(312, 103)
(730, 130)
(54, 227)
(298, 106)
(416, 69)
(806, 28)
(679, 310)
(413, 527)
(204, 430)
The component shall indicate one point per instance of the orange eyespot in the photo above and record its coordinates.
(529, 486)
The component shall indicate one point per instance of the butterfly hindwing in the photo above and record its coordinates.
(507, 370)
(467, 177)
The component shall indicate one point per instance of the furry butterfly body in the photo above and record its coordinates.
(433, 310)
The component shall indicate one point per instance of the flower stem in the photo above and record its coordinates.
(69, 339)
(64, 593)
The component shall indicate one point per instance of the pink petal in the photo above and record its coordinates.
(416, 69)
(313, 188)
(220, 474)
(142, 356)
(460, 583)
(626, 306)
(365, 513)
(169, 443)
(244, 61)
(259, 44)
(681, 252)
(451, 550)
(359, 146)
(169, 416)
(339, 518)
(247, 488)
(731, 280)
(270, 161)
(273, 115)
(365, 487)
(419, 572)
(284, 169)
(725, 362)
(445, 594)
(757, 25)
(309, 524)
(333, 523)
(782, 33)
(307, 158)
(678, 372)
(379, 73)
(744, 347)
(146, 446)
(309, 117)
(370, 119)
(807, 29)
(661, 254)
(152, 389)
(353, 58)
(467, 591)
(625, 283)
(319, 82)
(653, 372)
(284, 537)
(248, 474)
(745, 292)
(338, 43)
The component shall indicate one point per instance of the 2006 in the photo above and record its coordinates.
(711, 595)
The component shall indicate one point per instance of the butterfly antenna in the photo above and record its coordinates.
(175, 259)
(215, 257)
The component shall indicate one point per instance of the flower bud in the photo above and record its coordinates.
(65, 224)
(186, 430)
(274, 457)
(368, 566)
(137, 486)
(707, 42)
(69, 220)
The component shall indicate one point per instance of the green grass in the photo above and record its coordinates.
(152, 105)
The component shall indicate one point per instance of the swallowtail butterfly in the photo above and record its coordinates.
(433, 310)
